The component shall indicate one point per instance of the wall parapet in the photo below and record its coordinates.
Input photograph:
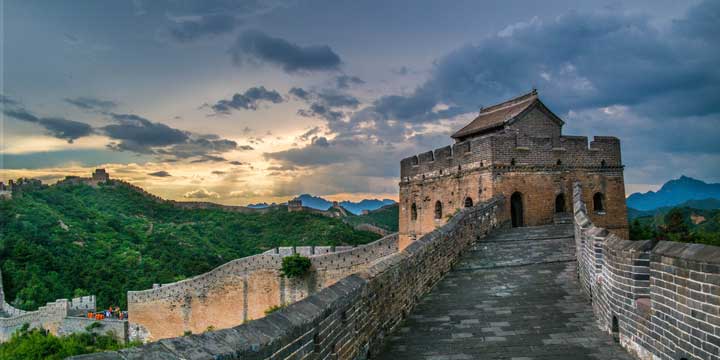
(347, 320)
(502, 149)
(660, 300)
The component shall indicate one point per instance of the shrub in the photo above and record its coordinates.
(295, 266)
(274, 308)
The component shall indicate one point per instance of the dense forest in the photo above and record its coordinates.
(682, 224)
(71, 240)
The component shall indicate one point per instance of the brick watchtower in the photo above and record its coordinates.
(516, 149)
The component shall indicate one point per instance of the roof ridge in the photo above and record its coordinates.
(511, 102)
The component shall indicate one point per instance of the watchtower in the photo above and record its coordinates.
(516, 149)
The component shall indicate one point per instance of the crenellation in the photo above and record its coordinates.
(663, 296)
(253, 283)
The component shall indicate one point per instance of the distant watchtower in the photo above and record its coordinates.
(295, 205)
(100, 175)
(516, 149)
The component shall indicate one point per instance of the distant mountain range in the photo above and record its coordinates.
(675, 192)
(706, 204)
(320, 203)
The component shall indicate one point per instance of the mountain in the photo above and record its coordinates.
(356, 208)
(71, 240)
(385, 217)
(674, 192)
(705, 204)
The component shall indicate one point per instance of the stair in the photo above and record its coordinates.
(521, 246)
(562, 218)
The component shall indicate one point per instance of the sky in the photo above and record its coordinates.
(251, 101)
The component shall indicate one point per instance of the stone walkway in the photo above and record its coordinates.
(515, 296)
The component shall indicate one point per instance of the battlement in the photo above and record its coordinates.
(254, 284)
(506, 149)
(659, 299)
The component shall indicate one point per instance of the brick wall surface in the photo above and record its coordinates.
(347, 320)
(660, 299)
(243, 289)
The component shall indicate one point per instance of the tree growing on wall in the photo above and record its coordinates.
(295, 266)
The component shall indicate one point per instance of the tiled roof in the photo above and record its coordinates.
(497, 115)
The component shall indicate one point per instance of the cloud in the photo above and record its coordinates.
(89, 103)
(140, 135)
(238, 163)
(300, 93)
(192, 28)
(248, 100)
(6, 100)
(310, 133)
(578, 60)
(58, 127)
(345, 81)
(245, 147)
(256, 46)
(201, 194)
(137, 134)
(161, 173)
(326, 104)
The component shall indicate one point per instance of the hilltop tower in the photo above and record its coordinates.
(515, 149)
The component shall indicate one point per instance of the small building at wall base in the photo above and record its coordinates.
(515, 149)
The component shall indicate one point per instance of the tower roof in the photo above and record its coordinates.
(497, 115)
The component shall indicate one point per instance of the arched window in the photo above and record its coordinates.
(560, 203)
(512, 162)
(599, 202)
(559, 162)
(413, 212)
(468, 202)
(603, 163)
(438, 210)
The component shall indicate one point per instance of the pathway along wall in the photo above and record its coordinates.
(348, 320)
(660, 300)
(243, 289)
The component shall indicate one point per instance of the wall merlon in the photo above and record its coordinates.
(665, 296)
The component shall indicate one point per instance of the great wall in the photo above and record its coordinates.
(498, 256)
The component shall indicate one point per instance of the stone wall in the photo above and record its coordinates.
(347, 320)
(77, 324)
(531, 158)
(661, 300)
(242, 290)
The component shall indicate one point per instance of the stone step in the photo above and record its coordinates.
(532, 232)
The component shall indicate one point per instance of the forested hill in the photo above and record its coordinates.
(70, 240)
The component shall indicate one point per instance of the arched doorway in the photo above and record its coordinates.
(468, 202)
(516, 209)
(615, 329)
(413, 212)
(438, 210)
(560, 203)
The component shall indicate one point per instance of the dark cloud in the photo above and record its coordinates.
(245, 147)
(6, 100)
(616, 58)
(161, 173)
(193, 28)
(253, 45)
(218, 172)
(238, 163)
(309, 134)
(248, 100)
(300, 93)
(140, 135)
(89, 103)
(58, 127)
(136, 133)
(345, 81)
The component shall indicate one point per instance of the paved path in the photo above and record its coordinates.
(515, 296)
